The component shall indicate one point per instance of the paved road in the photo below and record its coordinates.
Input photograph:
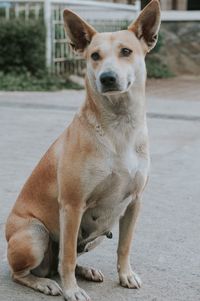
(166, 248)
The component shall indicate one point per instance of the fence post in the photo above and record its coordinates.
(47, 19)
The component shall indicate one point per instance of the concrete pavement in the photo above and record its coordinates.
(166, 248)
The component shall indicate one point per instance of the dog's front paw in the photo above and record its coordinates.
(130, 280)
(76, 294)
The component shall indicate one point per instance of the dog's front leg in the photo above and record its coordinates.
(127, 277)
(70, 219)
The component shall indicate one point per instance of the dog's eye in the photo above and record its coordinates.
(95, 56)
(126, 51)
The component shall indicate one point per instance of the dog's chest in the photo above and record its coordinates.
(110, 183)
(128, 160)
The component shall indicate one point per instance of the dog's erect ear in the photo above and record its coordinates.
(147, 25)
(79, 32)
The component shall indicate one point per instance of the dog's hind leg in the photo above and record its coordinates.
(26, 252)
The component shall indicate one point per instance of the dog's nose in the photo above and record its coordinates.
(108, 79)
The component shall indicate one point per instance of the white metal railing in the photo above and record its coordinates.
(178, 15)
(21, 8)
(96, 4)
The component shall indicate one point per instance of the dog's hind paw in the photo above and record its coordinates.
(130, 280)
(76, 294)
(48, 287)
(89, 274)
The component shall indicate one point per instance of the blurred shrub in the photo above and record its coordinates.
(154, 62)
(22, 46)
(157, 69)
(159, 43)
(27, 82)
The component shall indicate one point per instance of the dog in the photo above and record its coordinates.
(94, 174)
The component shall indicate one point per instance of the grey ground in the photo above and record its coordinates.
(166, 249)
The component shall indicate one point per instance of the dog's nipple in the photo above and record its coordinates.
(109, 235)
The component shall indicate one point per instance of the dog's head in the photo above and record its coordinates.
(114, 60)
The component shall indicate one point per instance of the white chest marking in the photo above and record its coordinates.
(130, 160)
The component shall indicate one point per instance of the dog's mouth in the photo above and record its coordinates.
(115, 90)
(111, 91)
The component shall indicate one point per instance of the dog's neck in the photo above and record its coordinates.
(117, 109)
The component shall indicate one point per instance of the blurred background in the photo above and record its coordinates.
(33, 44)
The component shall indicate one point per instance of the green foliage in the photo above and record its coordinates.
(22, 46)
(159, 43)
(28, 82)
(157, 69)
(155, 66)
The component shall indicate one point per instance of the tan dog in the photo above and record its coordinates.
(95, 172)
